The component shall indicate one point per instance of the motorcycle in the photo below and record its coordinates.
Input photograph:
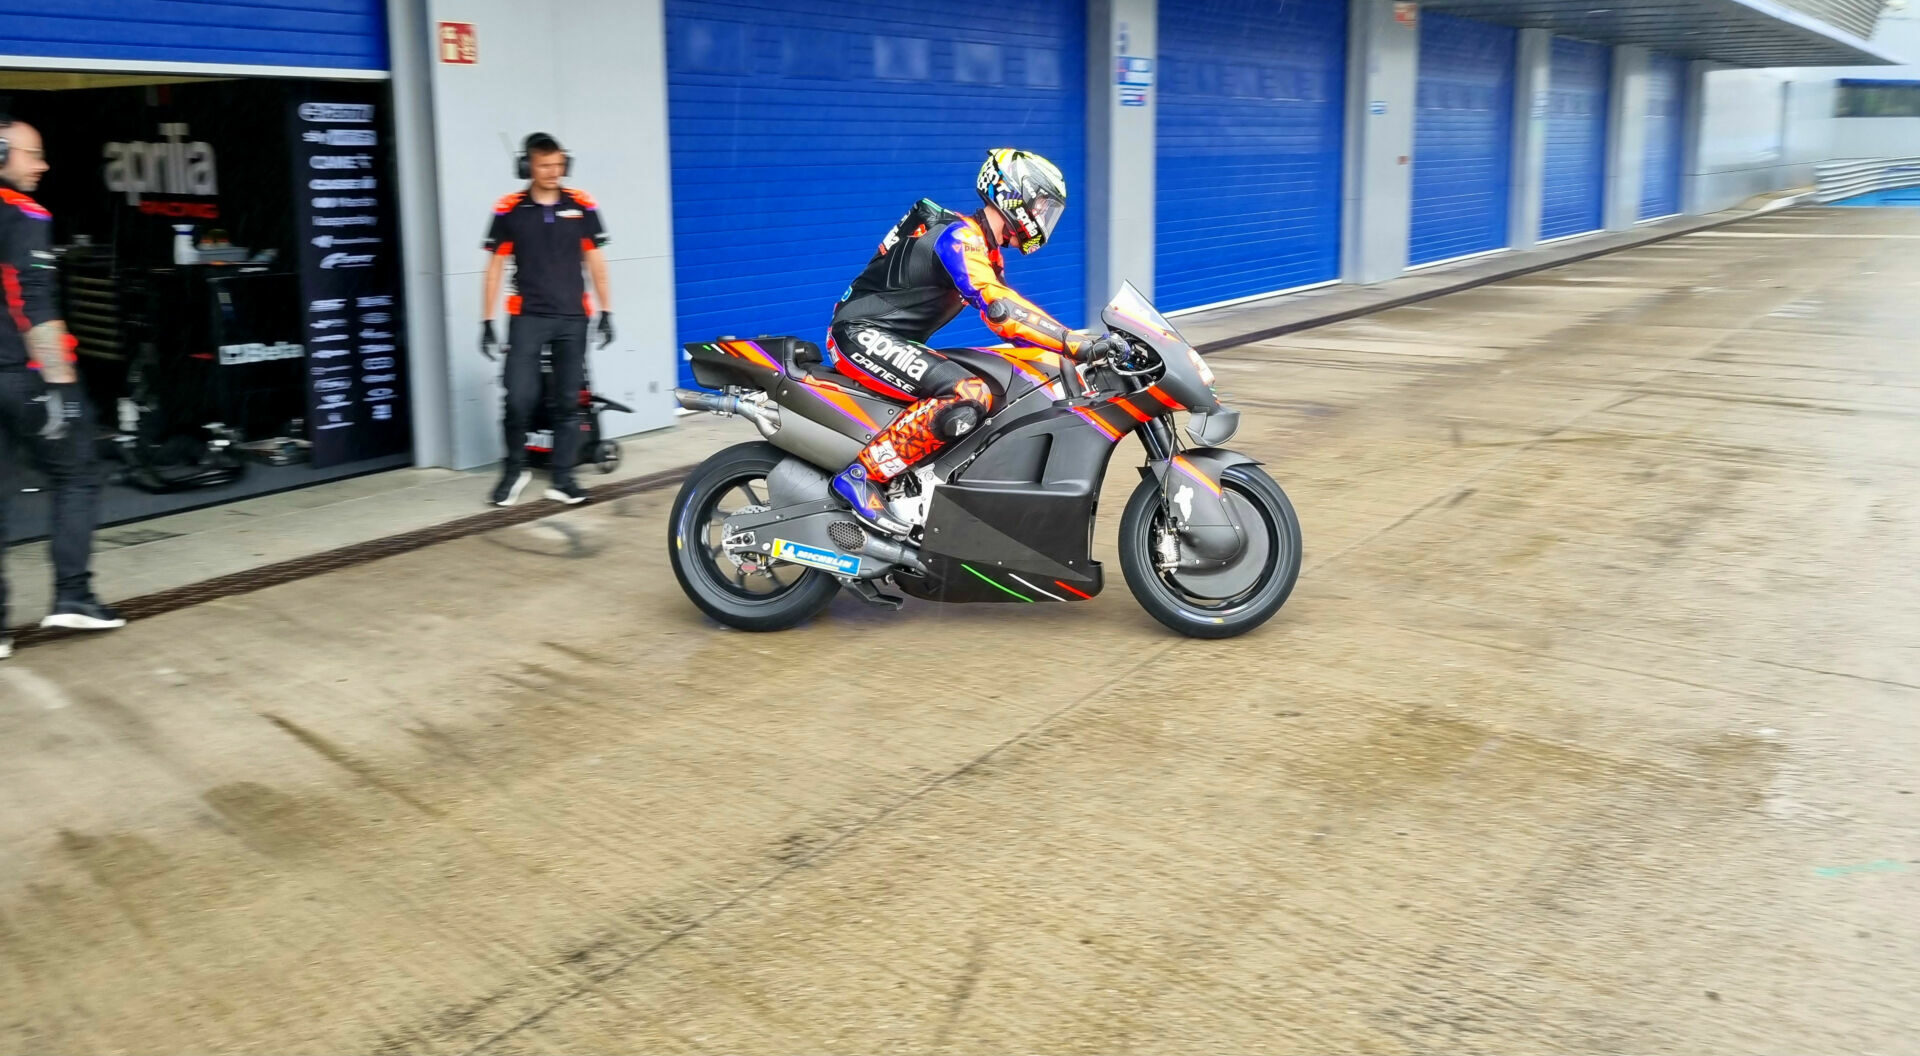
(1209, 543)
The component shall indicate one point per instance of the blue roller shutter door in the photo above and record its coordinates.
(1573, 185)
(1462, 139)
(1666, 116)
(329, 34)
(1251, 126)
(803, 129)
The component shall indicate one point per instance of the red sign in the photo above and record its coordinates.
(196, 210)
(1405, 12)
(458, 45)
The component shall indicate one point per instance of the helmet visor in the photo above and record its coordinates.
(1046, 212)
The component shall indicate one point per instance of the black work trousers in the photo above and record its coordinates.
(566, 335)
(72, 478)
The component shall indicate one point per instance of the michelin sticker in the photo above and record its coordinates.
(814, 557)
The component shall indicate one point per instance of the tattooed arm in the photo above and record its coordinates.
(52, 352)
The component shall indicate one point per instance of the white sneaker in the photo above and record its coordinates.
(507, 492)
(83, 614)
(569, 493)
(6, 648)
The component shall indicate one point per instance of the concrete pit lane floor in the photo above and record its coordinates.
(1592, 726)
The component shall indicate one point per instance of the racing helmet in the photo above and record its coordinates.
(1028, 190)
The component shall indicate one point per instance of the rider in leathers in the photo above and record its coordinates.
(930, 266)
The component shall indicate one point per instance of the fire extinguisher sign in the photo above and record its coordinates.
(458, 45)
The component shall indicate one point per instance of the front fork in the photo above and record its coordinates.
(1162, 443)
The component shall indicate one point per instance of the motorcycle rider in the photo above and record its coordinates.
(931, 265)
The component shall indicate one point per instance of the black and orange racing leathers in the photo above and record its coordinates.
(932, 265)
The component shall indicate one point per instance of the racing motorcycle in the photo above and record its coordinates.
(1209, 544)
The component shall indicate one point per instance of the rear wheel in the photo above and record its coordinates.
(1222, 602)
(743, 593)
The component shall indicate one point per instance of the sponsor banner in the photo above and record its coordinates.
(350, 113)
(349, 277)
(257, 352)
(814, 557)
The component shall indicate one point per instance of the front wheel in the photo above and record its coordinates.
(739, 591)
(1222, 602)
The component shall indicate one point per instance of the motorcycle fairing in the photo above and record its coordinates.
(1020, 513)
(1185, 377)
(718, 364)
(955, 581)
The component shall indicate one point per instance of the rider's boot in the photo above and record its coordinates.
(868, 499)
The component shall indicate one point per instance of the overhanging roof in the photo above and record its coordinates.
(1736, 32)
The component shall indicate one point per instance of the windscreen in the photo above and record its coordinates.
(1132, 307)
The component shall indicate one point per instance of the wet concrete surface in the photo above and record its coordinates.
(1591, 727)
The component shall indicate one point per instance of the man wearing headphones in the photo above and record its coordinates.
(43, 413)
(550, 231)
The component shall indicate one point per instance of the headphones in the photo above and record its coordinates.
(6, 149)
(522, 162)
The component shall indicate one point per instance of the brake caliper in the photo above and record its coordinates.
(740, 546)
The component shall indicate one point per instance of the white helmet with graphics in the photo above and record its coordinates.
(1029, 192)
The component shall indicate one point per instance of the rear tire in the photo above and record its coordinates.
(775, 601)
(1262, 507)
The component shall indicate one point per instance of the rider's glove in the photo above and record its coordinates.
(605, 329)
(1094, 348)
(489, 343)
(1078, 341)
(62, 402)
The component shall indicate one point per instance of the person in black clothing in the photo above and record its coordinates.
(43, 413)
(550, 231)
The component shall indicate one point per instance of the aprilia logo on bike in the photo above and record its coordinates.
(895, 353)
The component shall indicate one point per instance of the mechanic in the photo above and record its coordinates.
(550, 231)
(930, 266)
(43, 413)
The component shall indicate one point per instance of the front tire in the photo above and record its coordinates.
(784, 595)
(1256, 585)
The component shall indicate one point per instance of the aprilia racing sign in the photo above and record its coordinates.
(174, 166)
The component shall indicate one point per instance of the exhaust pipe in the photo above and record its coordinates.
(894, 553)
(756, 410)
(851, 538)
(717, 402)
